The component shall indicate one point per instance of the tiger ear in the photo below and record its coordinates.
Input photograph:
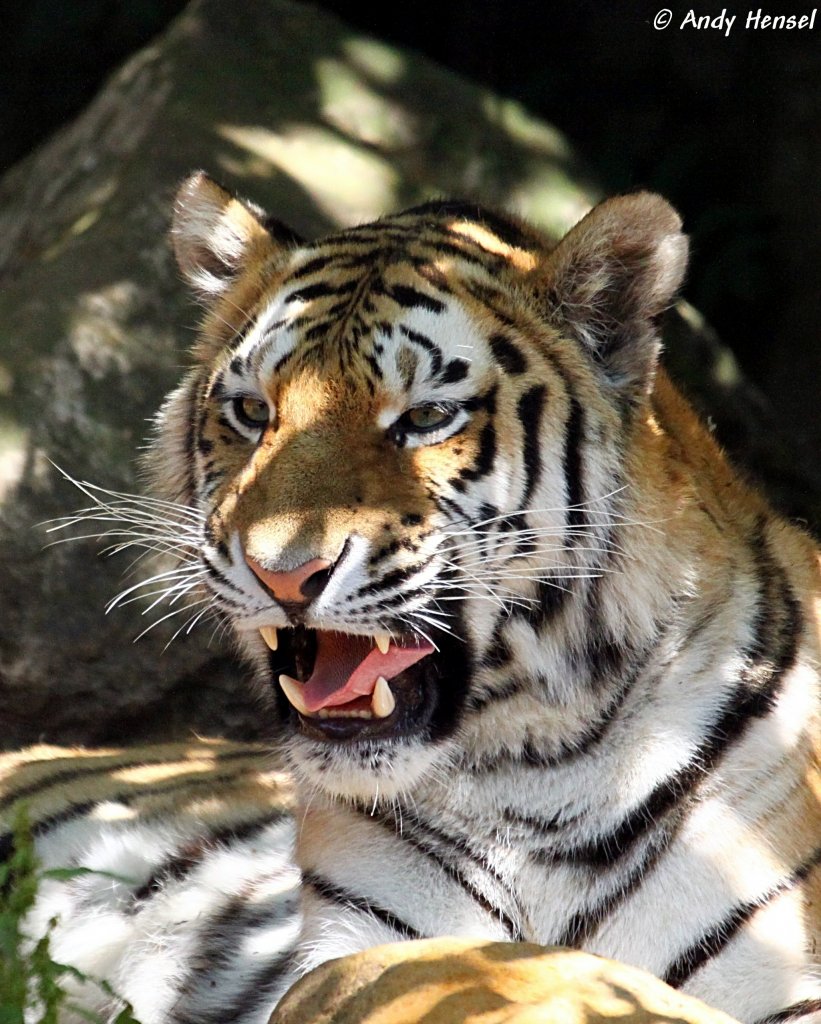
(216, 236)
(611, 277)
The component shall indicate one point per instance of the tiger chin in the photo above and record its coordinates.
(546, 667)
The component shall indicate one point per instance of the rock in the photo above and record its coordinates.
(461, 981)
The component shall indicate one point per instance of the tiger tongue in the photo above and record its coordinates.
(347, 667)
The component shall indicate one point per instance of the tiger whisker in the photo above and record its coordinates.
(180, 572)
(504, 598)
(176, 611)
(178, 589)
(188, 626)
(512, 556)
(124, 497)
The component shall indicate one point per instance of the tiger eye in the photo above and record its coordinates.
(253, 412)
(426, 417)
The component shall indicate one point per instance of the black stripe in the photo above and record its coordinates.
(77, 810)
(283, 359)
(486, 401)
(507, 354)
(392, 579)
(434, 276)
(257, 993)
(216, 945)
(318, 329)
(507, 231)
(529, 410)
(574, 483)
(411, 298)
(317, 263)
(550, 598)
(445, 504)
(578, 746)
(217, 574)
(485, 457)
(745, 705)
(194, 853)
(315, 291)
(790, 1013)
(712, 942)
(461, 252)
(455, 370)
(376, 369)
(478, 701)
(334, 894)
(92, 766)
(583, 924)
(399, 827)
(424, 342)
(537, 827)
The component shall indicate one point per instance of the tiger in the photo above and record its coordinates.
(544, 665)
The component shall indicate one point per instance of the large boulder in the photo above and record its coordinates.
(321, 125)
(463, 981)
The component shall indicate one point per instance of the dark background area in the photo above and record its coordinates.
(727, 127)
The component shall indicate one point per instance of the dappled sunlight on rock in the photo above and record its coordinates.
(350, 104)
(379, 61)
(522, 127)
(547, 197)
(347, 182)
(100, 334)
(13, 445)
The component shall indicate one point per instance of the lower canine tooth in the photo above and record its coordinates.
(292, 689)
(383, 700)
(269, 635)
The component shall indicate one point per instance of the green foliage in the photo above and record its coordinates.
(31, 981)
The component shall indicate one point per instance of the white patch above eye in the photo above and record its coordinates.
(264, 346)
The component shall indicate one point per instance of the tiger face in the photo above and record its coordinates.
(381, 437)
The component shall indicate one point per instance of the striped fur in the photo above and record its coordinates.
(615, 744)
(200, 838)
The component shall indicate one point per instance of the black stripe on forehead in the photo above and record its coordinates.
(425, 343)
(454, 371)
(507, 354)
(411, 298)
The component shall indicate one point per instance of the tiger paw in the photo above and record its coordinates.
(463, 981)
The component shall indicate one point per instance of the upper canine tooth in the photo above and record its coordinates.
(269, 635)
(383, 641)
(383, 700)
(292, 689)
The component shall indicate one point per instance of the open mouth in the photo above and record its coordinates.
(343, 686)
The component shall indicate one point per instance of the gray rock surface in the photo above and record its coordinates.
(320, 125)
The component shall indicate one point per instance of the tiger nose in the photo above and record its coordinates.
(296, 586)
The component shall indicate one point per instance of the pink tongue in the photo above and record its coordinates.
(347, 667)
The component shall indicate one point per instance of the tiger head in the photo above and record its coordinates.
(404, 442)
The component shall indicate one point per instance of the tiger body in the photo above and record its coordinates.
(601, 646)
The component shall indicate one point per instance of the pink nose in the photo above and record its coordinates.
(297, 585)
